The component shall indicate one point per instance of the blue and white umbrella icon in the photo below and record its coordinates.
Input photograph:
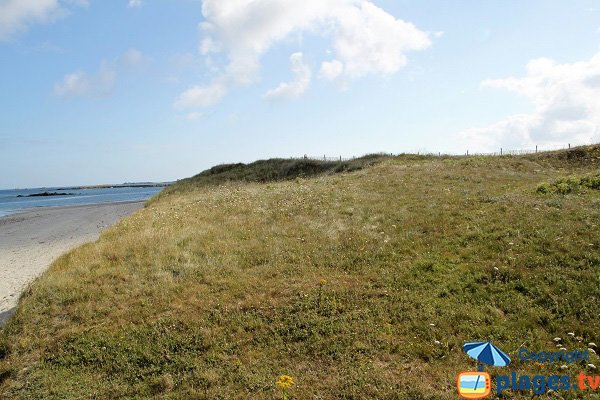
(486, 353)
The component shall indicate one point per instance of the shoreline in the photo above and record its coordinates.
(40, 208)
(31, 239)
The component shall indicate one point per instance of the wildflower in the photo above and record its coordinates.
(437, 342)
(592, 366)
(285, 382)
(557, 339)
(571, 333)
(592, 344)
(563, 349)
(563, 367)
(592, 350)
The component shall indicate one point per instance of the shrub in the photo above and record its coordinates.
(570, 184)
(545, 188)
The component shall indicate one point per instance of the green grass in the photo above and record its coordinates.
(360, 285)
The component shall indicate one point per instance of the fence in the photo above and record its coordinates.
(500, 152)
(323, 158)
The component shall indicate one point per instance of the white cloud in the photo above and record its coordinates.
(331, 70)
(365, 39)
(202, 96)
(297, 87)
(567, 110)
(77, 83)
(99, 84)
(132, 58)
(17, 15)
(135, 3)
(84, 84)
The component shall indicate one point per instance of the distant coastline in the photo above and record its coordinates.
(45, 194)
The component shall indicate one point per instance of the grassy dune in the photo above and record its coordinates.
(359, 285)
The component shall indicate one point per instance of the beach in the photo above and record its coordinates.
(31, 240)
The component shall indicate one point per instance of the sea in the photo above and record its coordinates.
(18, 200)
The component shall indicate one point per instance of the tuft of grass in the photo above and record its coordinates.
(362, 285)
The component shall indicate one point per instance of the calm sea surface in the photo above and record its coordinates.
(10, 202)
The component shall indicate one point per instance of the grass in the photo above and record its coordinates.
(360, 285)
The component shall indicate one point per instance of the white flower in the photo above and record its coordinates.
(557, 339)
(592, 366)
(563, 367)
(571, 333)
(592, 344)
(592, 350)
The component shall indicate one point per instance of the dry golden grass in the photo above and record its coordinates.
(359, 286)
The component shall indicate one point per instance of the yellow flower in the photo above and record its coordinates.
(284, 382)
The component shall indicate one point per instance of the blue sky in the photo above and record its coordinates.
(113, 91)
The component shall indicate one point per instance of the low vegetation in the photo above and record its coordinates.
(274, 170)
(359, 285)
(571, 184)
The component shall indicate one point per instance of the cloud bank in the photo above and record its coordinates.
(567, 107)
(365, 40)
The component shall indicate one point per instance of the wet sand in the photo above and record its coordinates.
(31, 240)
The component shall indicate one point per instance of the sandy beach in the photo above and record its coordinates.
(31, 240)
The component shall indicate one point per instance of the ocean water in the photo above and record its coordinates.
(11, 203)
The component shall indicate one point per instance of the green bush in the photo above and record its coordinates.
(570, 184)
(545, 188)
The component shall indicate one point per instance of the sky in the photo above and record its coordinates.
(144, 90)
